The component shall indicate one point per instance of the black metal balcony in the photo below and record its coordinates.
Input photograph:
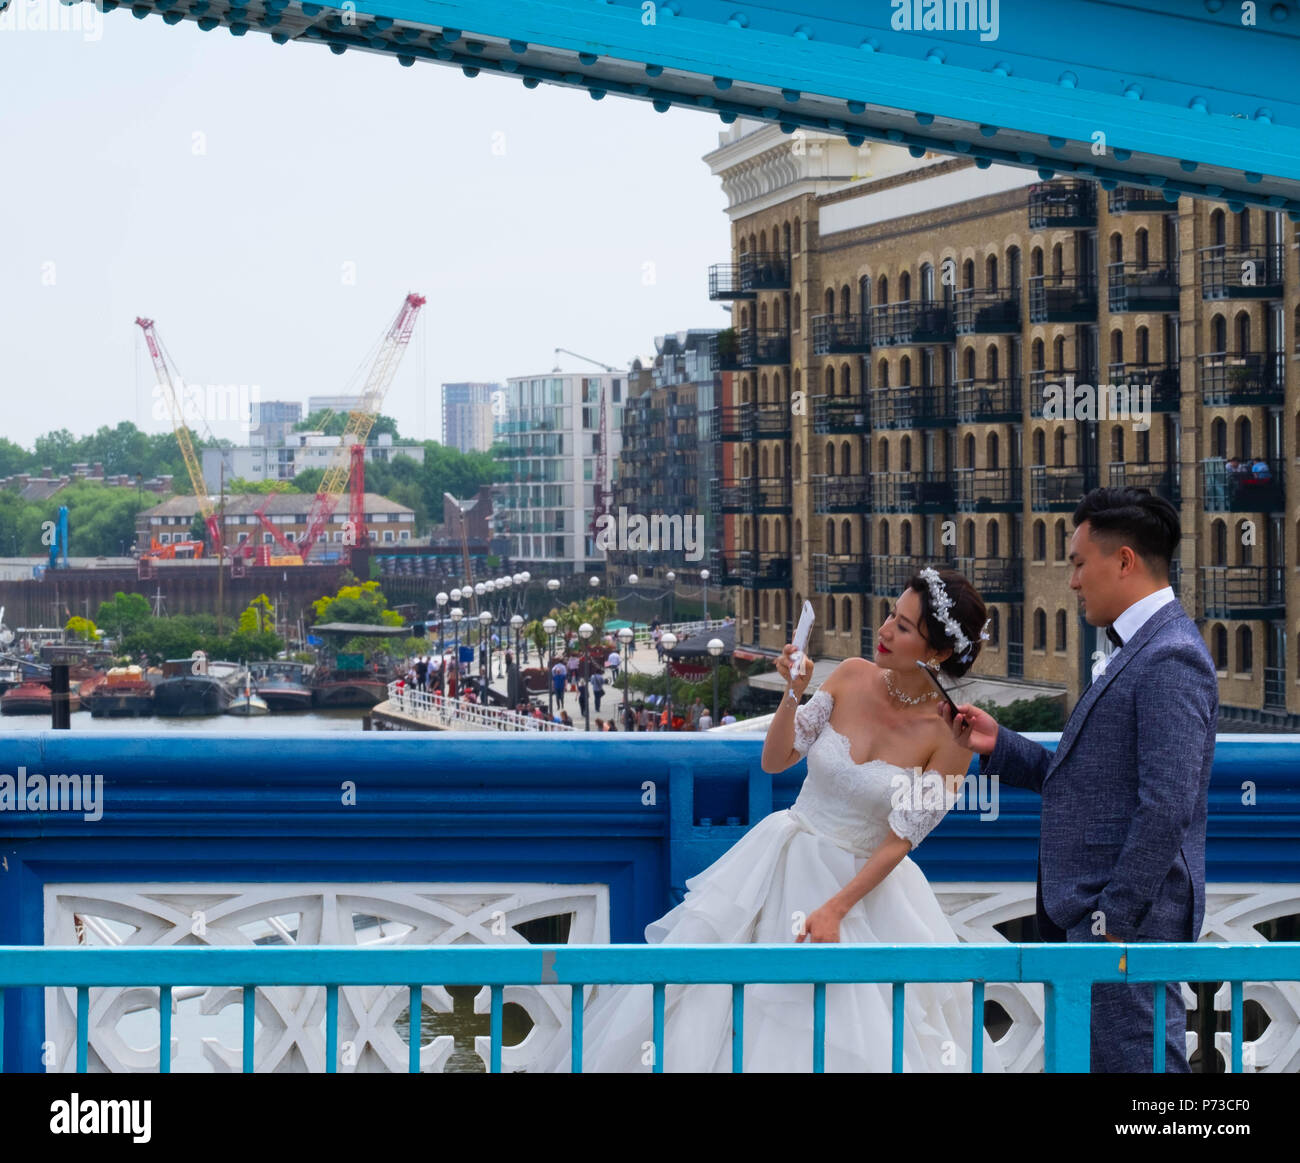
(1063, 203)
(841, 414)
(998, 579)
(1160, 478)
(840, 573)
(841, 334)
(995, 311)
(988, 401)
(772, 494)
(765, 270)
(1062, 298)
(724, 351)
(1058, 488)
(1243, 591)
(1163, 380)
(1247, 378)
(733, 422)
(1143, 288)
(912, 492)
(1062, 384)
(725, 282)
(1242, 272)
(925, 406)
(725, 569)
(990, 490)
(1137, 200)
(772, 421)
(1257, 485)
(764, 571)
(736, 496)
(841, 494)
(890, 572)
(764, 346)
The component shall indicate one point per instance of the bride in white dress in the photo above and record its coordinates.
(835, 865)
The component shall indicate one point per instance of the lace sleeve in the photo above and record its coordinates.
(810, 718)
(919, 801)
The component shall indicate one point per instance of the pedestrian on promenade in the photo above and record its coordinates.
(573, 672)
(564, 718)
(727, 716)
(598, 688)
(559, 672)
(582, 696)
(697, 709)
(612, 660)
(629, 718)
(706, 721)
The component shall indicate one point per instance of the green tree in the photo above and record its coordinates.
(123, 613)
(258, 616)
(82, 628)
(363, 603)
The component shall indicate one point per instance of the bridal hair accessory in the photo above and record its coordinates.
(942, 603)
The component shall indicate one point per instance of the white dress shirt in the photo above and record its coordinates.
(1132, 620)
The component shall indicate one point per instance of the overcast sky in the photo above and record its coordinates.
(269, 206)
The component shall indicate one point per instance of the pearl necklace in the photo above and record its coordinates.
(911, 700)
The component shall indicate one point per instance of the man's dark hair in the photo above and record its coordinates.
(1148, 524)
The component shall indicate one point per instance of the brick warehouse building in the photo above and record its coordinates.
(897, 323)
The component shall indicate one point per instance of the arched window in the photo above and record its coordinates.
(904, 286)
(1040, 541)
(905, 372)
(1060, 541)
(882, 290)
(1245, 651)
(1036, 261)
(991, 360)
(1117, 346)
(798, 313)
(785, 237)
(844, 301)
(1060, 630)
(991, 272)
(1142, 248)
(1243, 332)
(828, 301)
(1219, 333)
(1243, 228)
(905, 454)
(1036, 355)
(797, 236)
(992, 451)
(1039, 446)
(847, 614)
(1220, 637)
(968, 534)
(1040, 629)
(1117, 247)
(927, 283)
(968, 274)
(1218, 231)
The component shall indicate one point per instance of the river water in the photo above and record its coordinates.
(334, 719)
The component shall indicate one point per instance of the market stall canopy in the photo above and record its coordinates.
(697, 645)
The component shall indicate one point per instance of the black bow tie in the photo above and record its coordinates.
(1114, 636)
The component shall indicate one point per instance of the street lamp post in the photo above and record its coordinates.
(441, 599)
(549, 627)
(457, 617)
(672, 601)
(715, 649)
(632, 579)
(585, 632)
(669, 640)
(625, 637)
(704, 580)
(485, 643)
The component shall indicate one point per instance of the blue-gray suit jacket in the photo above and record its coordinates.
(1124, 794)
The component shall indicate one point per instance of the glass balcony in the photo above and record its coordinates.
(1160, 478)
(764, 347)
(988, 401)
(1138, 200)
(736, 496)
(724, 351)
(765, 270)
(989, 490)
(1256, 486)
(995, 311)
(912, 322)
(998, 579)
(927, 406)
(1243, 591)
(772, 494)
(1062, 298)
(1242, 378)
(1242, 272)
(841, 414)
(840, 573)
(841, 334)
(841, 494)
(1164, 380)
(1063, 203)
(1143, 288)
(1057, 488)
(725, 282)
(912, 492)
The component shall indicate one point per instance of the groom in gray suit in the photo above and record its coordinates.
(1122, 841)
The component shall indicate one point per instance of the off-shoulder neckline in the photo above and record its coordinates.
(848, 743)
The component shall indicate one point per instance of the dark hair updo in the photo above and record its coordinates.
(967, 609)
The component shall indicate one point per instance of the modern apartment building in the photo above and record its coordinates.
(304, 450)
(467, 420)
(552, 428)
(272, 421)
(905, 329)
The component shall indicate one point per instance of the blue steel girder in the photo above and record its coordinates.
(1192, 97)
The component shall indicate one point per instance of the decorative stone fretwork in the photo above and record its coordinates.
(290, 1034)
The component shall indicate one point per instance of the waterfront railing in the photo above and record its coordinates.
(1066, 971)
(456, 715)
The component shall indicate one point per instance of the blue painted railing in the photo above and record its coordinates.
(1067, 973)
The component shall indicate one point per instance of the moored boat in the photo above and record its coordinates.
(246, 703)
(285, 686)
(348, 688)
(27, 698)
(195, 686)
(124, 691)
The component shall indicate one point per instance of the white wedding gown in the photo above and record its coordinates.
(789, 863)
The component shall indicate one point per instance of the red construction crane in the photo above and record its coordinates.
(357, 429)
